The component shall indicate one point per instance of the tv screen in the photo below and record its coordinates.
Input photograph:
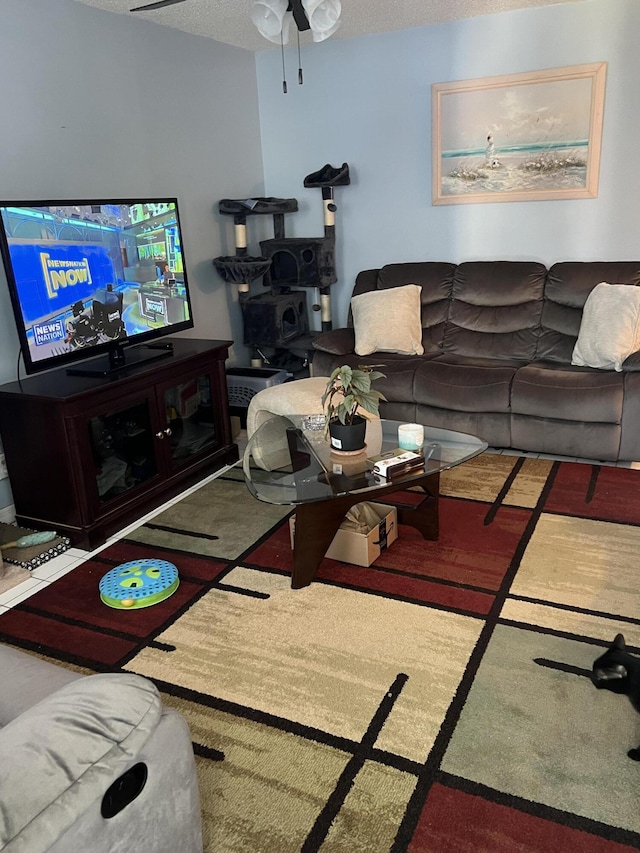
(88, 277)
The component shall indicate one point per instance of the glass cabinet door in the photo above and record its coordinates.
(122, 444)
(190, 419)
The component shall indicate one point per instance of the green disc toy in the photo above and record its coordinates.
(139, 583)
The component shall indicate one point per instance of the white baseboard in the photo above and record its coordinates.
(8, 514)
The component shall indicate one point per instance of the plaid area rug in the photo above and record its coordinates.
(438, 700)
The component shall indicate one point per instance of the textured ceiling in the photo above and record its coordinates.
(229, 21)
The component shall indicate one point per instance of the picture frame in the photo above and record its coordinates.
(520, 137)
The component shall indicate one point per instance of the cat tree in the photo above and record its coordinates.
(287, 265)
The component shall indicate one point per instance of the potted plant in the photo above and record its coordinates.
(348, 390)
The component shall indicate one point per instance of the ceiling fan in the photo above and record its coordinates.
(272, 19)
(270, 15)
(294, 6)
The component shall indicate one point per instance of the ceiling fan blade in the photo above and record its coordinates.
(158, 5)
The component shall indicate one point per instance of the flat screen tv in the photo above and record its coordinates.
(94, 277)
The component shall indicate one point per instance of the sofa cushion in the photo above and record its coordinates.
(610, 327)
(566, 438)
(495, 310)
(492, 427)
(465, 384)
(568, 286)
(567, 393)
(335, 341)
(388, 321)
(436, 280)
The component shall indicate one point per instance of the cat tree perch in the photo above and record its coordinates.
(286, 264)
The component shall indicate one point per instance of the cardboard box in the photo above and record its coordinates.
(358, 548)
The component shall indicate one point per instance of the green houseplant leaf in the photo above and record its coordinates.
(349, 389)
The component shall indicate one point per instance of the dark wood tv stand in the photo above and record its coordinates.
(88, 455)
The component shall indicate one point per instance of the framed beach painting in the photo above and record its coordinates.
(520, 137)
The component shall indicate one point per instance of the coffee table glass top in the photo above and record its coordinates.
(287, 461)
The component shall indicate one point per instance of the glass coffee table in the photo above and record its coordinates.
(288, 460)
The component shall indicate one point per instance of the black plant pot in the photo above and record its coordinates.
(347, 437)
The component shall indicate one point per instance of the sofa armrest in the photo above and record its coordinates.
(62, 754)
(164, 818)
(336, 341)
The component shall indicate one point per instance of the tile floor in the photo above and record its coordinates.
(54, 569)
(66, 562)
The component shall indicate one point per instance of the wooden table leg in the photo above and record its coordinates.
(318, 522)
(425, 516)
(316, 525)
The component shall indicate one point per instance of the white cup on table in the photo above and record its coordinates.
(410, 436)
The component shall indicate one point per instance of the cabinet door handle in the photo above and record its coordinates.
(160, 434)
(167, 431)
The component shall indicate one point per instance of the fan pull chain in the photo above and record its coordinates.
(300, 80)
(284, 74)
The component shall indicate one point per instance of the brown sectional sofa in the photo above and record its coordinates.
(498, 339)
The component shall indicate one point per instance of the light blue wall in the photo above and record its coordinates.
(367, 101)
(99, 105)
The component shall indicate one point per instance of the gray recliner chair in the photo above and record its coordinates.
(92, 764)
